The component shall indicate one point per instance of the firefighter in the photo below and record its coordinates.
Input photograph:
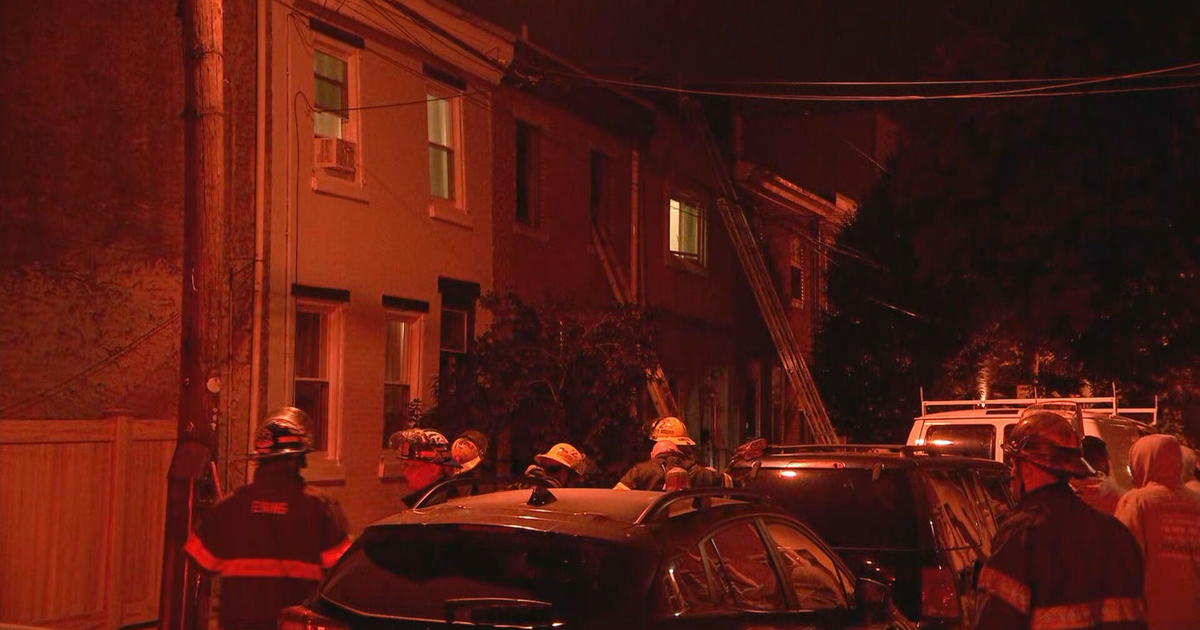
(672, 452)
(561, 466)
(469, 449)
(1056, 562)
(271, 540)
(1164, 517)
(427, 460)
(1098, 490)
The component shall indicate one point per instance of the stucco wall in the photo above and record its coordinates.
(90, 208)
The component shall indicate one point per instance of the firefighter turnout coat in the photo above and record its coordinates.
(1058, 564)
(270, 542)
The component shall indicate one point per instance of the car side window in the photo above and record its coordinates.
(962, 519)
(811, 573)
(686, 584)
(742, 566)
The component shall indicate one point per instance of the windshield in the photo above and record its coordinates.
(848, 507)
(411, 571)
(968, 440)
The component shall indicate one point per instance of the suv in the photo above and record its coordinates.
(916, 515)
(977, 428)
(593, 558)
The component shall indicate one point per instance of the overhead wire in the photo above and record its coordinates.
(1052, 89)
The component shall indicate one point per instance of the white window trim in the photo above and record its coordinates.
(451, 210)
(323, 181)
(698, 266)
(416, 336)
(324, 465)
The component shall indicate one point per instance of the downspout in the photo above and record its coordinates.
(260, 213)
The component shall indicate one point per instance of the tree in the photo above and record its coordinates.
(1061, 233)
(551, 374)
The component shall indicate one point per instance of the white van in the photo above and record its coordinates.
(977, 428)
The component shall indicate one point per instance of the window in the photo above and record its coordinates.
(598, 200)
(336, 147)
(443, 121)
(740, 562)
(687, 230)
(528, 153)
(968, 440)
(797, 274)
(314, 369)
(331, 95)
(813, 575)
(457, 327)
(401, 361)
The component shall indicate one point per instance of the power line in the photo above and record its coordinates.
(1055, 89)
(916, 83)
(46, 393)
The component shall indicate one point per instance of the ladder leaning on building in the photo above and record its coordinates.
(805, 390)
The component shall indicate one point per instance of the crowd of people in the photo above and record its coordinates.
(1075, 552)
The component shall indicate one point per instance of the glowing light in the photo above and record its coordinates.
(941, 442)
(788, 473)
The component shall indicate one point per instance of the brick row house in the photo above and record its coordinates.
(390, 162)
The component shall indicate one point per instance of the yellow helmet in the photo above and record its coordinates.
(562, 454)
(671, 429)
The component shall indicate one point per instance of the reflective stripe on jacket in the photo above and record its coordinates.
(269, 541)
(1058, 564)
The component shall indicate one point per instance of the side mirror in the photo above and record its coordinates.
(874, 599)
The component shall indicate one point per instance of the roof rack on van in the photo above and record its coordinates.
(1084, 402)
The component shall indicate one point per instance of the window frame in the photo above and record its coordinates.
(532, 167)
(334, 341)
(453, 208)
(845, 576)
(415, 321)
(681, 259)
(327, 180)
(797, 266)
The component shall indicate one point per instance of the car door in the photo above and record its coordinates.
(757, 575)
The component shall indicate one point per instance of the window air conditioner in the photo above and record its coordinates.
(335, 154)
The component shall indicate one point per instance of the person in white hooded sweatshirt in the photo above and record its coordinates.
(1164, 517)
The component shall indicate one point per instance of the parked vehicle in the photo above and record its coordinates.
(594, 558)
(977, 428)
(923, 517)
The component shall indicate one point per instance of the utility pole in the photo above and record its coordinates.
(183, 599)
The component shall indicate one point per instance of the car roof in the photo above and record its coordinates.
(594, 512)
(864, 456)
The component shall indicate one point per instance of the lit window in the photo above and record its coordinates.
(443, 140)
(314, 368)
(331, 95)
(527, 174)
(687, 230)
(401, 354)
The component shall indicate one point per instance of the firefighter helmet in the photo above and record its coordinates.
(284, 432)
(671, 429)
(565, 455)
(1047, 440)
(425, 445)
(468, 445)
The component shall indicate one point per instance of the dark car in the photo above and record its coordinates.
(924, 518)
(594, 558)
